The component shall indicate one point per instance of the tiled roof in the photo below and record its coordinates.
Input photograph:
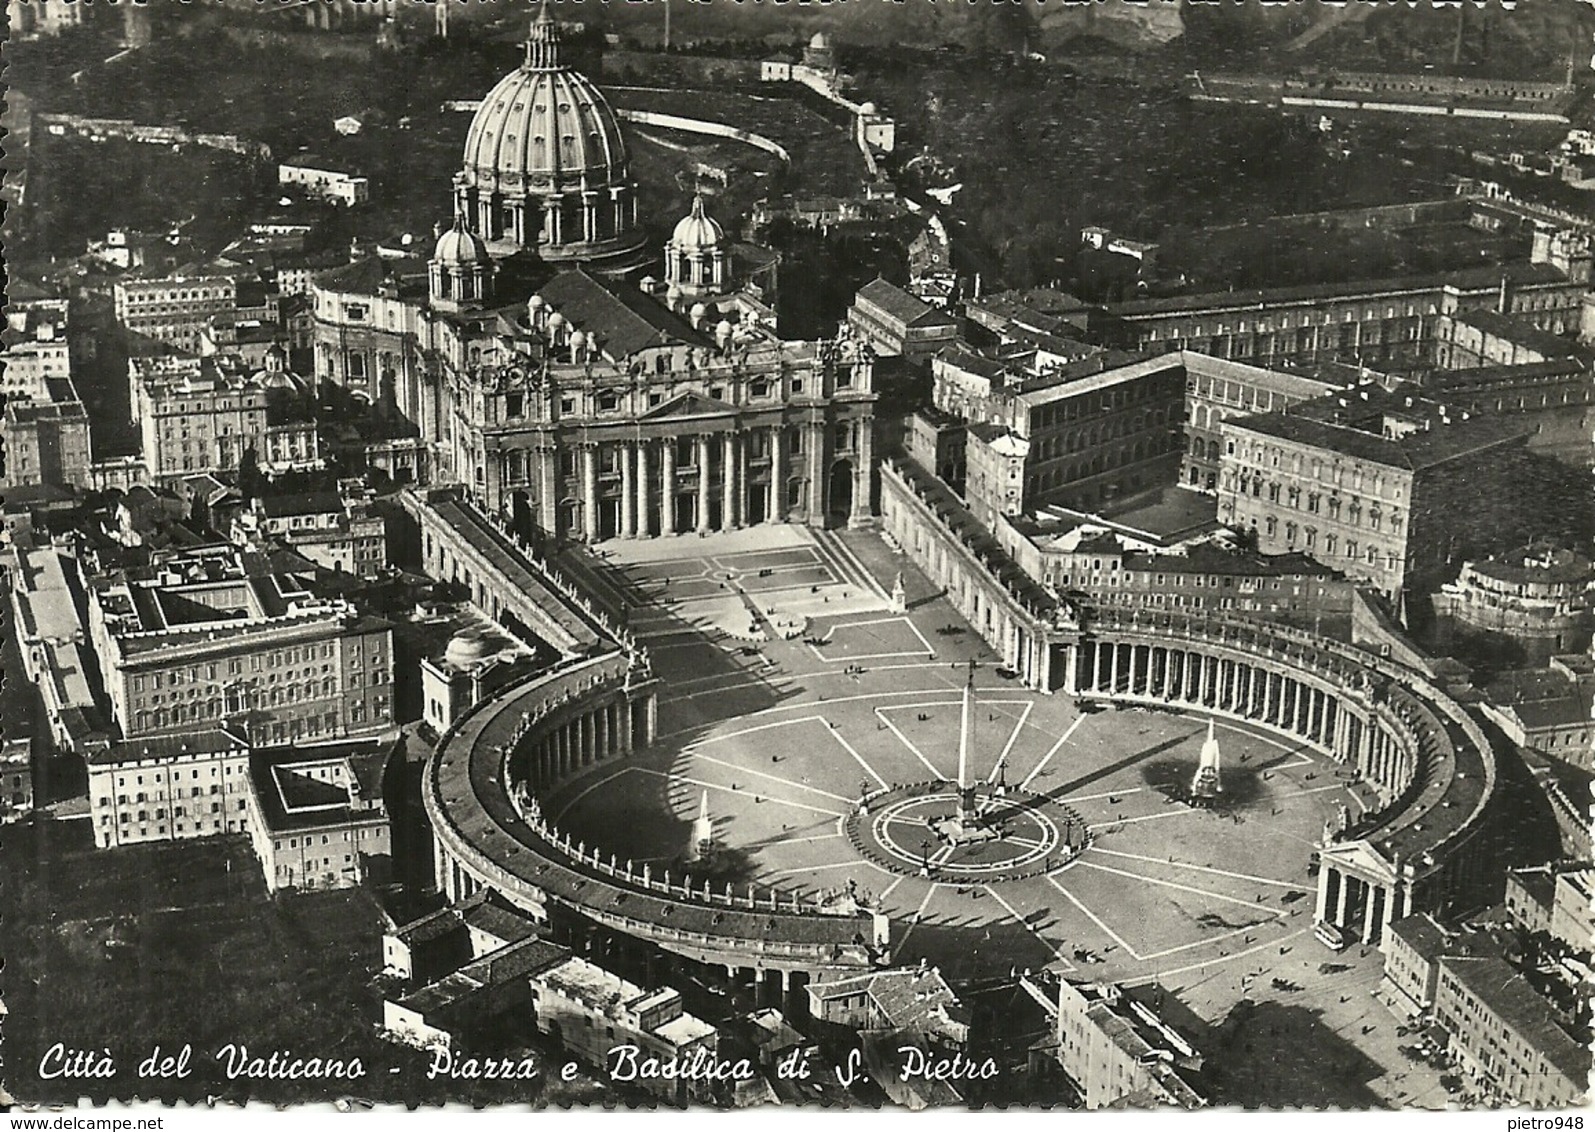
(305, 503)
(625, 320)
(1475, 278)
(899, 304)
(1507, 994)
(1344, 423)
(1519, 332)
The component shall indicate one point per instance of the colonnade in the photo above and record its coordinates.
(596, 732)
(643, 499)
(717, 474)
(1249, 688)
(1385, 745)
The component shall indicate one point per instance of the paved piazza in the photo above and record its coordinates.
(784, 737)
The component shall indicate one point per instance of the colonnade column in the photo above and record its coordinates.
(1372, 917)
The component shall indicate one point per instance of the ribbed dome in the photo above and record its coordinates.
(458, 247)
(546, 169)
(544, 126)
(697, 231)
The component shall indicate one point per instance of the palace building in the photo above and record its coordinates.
(569, 397)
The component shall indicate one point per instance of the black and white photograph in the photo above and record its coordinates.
(890, 557)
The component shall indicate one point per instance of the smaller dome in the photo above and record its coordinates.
(468, 647)
(867, 108)
(536, 303)
(820, 42)
(722, 329)
(697, 231)
(577, 339)
(277, 379)
(698, 313)
(460, 247)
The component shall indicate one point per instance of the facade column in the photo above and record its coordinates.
(590, 491)
(1204, 678)
(644, 527)
(1113, 669)
(628, 498)
(1393, 907)
(728, 484)
(667, 489)
(601, 735)
(623, 710)
(703, 484)
(1371, 917)
(777, 511)
(1343, 904)
(743, 490)
(1326, 876)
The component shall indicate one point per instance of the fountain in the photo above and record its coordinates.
(1205, 784)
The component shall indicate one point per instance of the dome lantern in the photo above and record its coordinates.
(542, 45)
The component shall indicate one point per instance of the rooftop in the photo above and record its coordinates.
(1393, 428)
(625, 320)
(908, 998)
(304, 503)
(899, 304)
(1468, 279)
(305, 787)
(1520, 333)
(1541, 565)
(606, 992)
(1207, 558)
(165, 748)
(1507, 994)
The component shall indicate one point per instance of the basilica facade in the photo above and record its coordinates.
(582, 399)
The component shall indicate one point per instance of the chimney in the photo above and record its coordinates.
(1503, 302)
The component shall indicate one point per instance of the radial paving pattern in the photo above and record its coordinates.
(1100, 864)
